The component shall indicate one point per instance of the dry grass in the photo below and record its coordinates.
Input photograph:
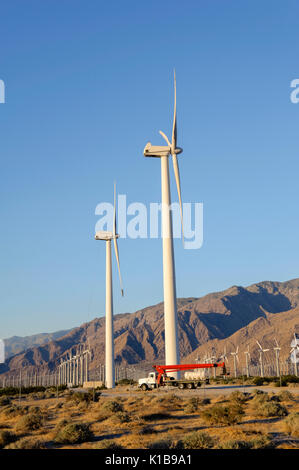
(142, 420)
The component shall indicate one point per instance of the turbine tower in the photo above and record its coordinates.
(277, 348)
(294, 353)
(262, 351)
(109, 340)
(172, 354)
(236, 358)
(247, 356)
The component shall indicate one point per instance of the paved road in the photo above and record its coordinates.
(204, 391)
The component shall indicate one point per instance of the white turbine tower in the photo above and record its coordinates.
(247, 356)
(109, 340)
(236, 358)
(277, 348)
(295, 353)
(172, 354)
(262, 351)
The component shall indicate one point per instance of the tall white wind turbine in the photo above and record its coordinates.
(172, 354)
(109, 339)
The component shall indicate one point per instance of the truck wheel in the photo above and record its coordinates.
(190, 386)
(197, 384)
(181, 386)
(144, 387)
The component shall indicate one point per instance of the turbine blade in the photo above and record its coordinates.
(259, 345)
(118, 265)
(174, 127)
(114, 213)
(165, 138)
(178, 185)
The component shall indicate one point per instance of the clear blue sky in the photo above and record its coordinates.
(88, 83)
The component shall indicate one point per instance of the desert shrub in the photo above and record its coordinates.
(40, 396)
(156, 416)
(6, 437)
(15, 410)
(234, 444)
(205, 401)
(126, 382)
(5, 401)
(29, 422)
(260, 398)
(261, 442)
(122, 417)
(78, 397)
(147, 430)
(238, 397)
(291, 424)
(61, 424)
(94, 394)
(160, 444)
(112, 406)
(286, 396)
(258, 381)
(219, 414)
(107, 444)
(198, 440)
(73, 433)
(27, 443)
(24, 390)
(192, 405)
(270, 408)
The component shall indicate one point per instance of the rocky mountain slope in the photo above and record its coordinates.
(210, 320)
(17, 344)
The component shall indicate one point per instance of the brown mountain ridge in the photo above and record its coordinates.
(232, 316)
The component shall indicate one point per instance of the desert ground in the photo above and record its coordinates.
(225, 416)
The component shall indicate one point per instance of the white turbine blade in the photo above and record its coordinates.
(174, 127)
(259, 345)
(118, 265)
(265, 350)
(114, 213)
(237, 349)
(178, 185)
(165, 138)
(237, 357)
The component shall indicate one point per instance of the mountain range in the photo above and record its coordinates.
(235, 316)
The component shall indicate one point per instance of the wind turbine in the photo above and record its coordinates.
(262, 351)
(170, 305)
(236, 358)
(294, 351)
(109, 340)
(277, 348)
(247, 356)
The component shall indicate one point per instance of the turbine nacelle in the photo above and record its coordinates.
(105, 235)
(157, 151)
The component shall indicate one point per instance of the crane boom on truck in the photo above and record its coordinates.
(160, 377)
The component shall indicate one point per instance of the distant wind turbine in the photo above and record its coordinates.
(262, 351)
(236, 358)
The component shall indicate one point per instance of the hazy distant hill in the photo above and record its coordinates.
(252, 312)
(17, 344)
